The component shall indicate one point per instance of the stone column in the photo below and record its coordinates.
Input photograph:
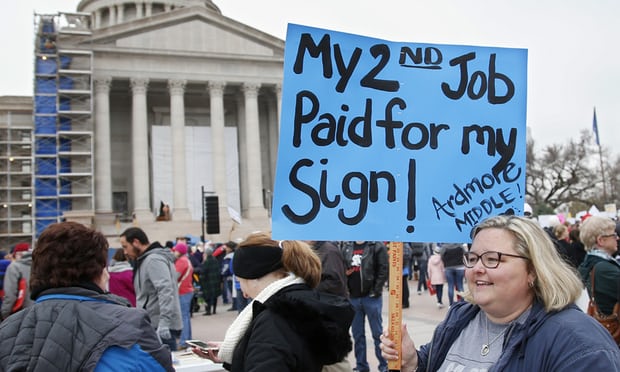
(149, 8)
(278, 90)
(103, 168)
(273, 134)
(112, 15)
(216, 97)
(274, 131)
(242, 147)
(120, 13)
(97, 19)
(139, 9)
(180, 212)
(140, 150)
(254, 170)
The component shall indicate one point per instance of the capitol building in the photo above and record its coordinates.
(162, 114)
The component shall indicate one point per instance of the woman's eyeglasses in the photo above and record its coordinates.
(490, 259)
(609, 235)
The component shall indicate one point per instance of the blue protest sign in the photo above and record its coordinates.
(397, 141)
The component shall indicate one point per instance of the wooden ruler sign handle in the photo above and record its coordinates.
(395, 282)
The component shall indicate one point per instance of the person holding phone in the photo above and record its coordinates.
(203, 346)
(288, 326)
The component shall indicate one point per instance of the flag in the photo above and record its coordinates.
(595, 128)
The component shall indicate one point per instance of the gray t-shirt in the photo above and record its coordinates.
(465, 354)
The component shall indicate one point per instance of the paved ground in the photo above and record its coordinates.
(421, 318)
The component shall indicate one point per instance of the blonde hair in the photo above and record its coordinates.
(559, 231)
(556, 283)
(592, 228)
(297, 256)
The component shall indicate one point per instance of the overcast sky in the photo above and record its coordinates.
(572, 45)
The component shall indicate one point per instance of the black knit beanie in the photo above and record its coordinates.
(253, 262)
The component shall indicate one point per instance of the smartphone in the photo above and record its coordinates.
(201, 345)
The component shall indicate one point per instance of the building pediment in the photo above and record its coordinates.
(194, 30)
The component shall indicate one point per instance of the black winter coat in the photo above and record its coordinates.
(333, 269)
(375, 266)
(452, 254)
(296, 329)
(73, 331)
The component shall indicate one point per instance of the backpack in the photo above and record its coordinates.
(417, 249)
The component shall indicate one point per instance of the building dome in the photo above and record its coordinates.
(112, 12)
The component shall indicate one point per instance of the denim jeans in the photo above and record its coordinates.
(225, 292)
(371, 308)
(455, 279)
(242, 302)
(186, 306)
(423, 267)
(439, 294)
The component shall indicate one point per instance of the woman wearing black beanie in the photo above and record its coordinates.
(288, 326)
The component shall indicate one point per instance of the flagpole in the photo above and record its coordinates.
(600, 155)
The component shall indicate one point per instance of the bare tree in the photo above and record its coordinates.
(562, 174)
(612, 179)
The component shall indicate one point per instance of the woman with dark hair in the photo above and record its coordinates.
(288, 326)
(576, 249)
(73, 313)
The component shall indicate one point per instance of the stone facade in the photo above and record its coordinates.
(184, 98)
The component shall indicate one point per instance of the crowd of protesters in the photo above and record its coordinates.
(173, 282)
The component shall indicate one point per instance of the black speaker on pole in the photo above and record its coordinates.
(212, 211)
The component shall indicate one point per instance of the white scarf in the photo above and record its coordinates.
(240, 324)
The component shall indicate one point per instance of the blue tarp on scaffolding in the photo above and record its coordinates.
(45, 124)
(43, 224)
(46, 166)
(46, 208)
(45, 85)
(45, 146)
(45, 187)
(64, 123)
(45, 104)
(46, 66)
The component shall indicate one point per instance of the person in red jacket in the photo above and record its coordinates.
(186, 289)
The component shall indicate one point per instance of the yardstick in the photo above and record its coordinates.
(396, 300)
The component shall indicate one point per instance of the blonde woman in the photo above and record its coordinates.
(599, 237)
(519, 313)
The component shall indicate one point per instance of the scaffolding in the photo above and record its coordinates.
(15, 172)
(63, 124)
